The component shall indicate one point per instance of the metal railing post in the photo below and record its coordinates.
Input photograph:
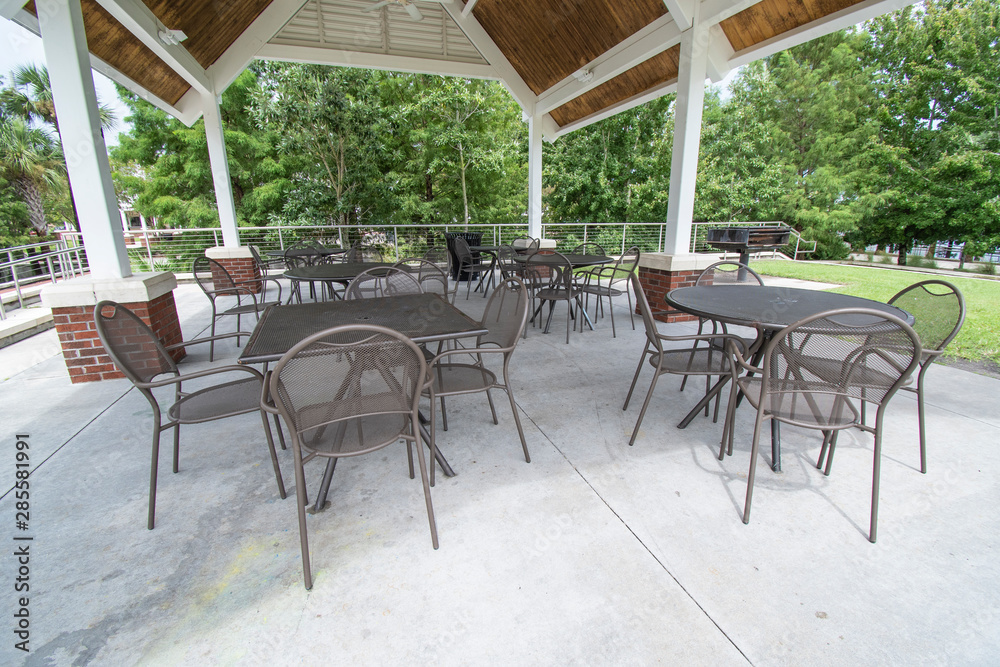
(395, 241)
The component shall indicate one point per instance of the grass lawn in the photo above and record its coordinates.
(979, 338)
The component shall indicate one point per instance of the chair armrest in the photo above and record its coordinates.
(466, 351)
(206, 339)
(266, 402)
(198, 374)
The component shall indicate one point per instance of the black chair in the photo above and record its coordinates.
(140, 355)
(469, 265)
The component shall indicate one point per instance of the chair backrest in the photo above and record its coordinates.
(589, 248)
(432, 279)
(526, 244)
(214, 279)
(462, 252)
(131, 344)
(505, 259)
(851, 352)
(627, 264)
(938, 308)
(439, 256)
(368, 374)
(506, 314)
(555, 270)
(729, 272)
(261, 264)
(382, 281)
(363, 254)
(647, 314)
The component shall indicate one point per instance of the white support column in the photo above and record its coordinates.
(692, 71)
(65, 45)
(535, 177)
(220, 170)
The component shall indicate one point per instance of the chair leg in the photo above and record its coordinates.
(211, 344)
(728, 424)
(177, 447)
(274, 455)
(645, 404)
(876, 472)
(444, 416)
(281, 435)
(152, 473)
(920, 420)
(489, 399)
(753, 464)
(611, 309)
(635, 378)
(422, 460)
(301, 501)
(513, 408)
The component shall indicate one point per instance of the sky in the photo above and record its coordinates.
(20, 47)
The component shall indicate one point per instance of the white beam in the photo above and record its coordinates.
(687, 138)
(640, 47)
(220, 171)
(535, 177)
(682, 11)
(614, 109)
(469, 4)
(845, 18)
(323, 56)
(716, 11)
(10, 8)
(236, 58)
(480, 39)
(720, 51)
(64, 41)
(141, 22)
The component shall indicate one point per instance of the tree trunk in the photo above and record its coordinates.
(465, 194)
(901, 254)
(28, 191)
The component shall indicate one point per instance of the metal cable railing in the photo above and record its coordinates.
(52, 261)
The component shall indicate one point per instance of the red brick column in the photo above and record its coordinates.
(660, 274)
(150, 296)
(86, 358)
(239, 263)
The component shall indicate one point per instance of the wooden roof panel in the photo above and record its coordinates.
(547, 40)
(111, 42)
(211, 27)
(771, 18)
(657, 70)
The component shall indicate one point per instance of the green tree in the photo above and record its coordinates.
(31, 162)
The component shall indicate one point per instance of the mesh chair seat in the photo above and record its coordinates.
(787, 401)
(556, 293)
(454, 378)
(222, 400)
(698, 361)
(344, 429)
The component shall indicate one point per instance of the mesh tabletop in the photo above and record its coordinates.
(307, 252)
(336, 271)
(771, 307)
(539, 259)
(422, 317)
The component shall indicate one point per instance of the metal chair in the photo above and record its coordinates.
(619, 273)
(439, 257)
(430, 276)
(382, 281)
(812, 371)
(589, 248)
(702, 359)
(938, 308)
(344, 392)
(526, 245)
(363, 254)
(140, 355)
(265, 265)
(505, 318)
(468, 264)
(217, 283)
(555, 274)
(726, 272)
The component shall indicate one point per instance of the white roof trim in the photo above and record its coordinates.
(324, 56)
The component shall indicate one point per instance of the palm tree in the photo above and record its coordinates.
(30, 98)
(32, 162)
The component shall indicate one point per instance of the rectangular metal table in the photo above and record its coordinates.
(424, 318)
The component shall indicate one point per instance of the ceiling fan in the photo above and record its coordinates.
(408, 5)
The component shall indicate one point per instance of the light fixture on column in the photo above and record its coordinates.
(171, 37)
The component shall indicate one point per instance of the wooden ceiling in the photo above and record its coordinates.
(545, 41)
(771, 18)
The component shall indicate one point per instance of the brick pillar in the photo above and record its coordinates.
(660, 273)
(148, 295)
(238, 262)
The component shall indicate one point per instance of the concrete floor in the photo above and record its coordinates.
(594, 553)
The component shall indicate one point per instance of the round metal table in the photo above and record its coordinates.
(772, 308)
